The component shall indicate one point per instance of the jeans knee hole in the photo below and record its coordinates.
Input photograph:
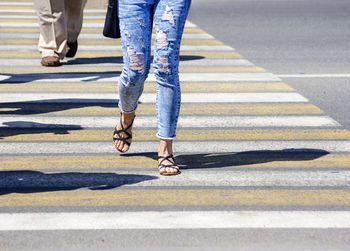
(161, 39)
(164, 64)
(168, 15)
(137, 61)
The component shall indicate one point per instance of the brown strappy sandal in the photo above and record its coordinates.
(171, 159)
(123, 130)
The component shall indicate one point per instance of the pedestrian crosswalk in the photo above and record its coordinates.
(254, 153)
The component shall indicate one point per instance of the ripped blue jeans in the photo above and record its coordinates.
(136, 21)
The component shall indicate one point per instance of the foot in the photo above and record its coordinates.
(50, 61)
(166, 161)
(71, 49)
(167, 166)
(122, 136)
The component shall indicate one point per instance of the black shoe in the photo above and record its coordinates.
(71, 49)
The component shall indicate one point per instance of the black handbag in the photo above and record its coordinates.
(111, 26)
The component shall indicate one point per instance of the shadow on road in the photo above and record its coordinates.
(219, 160)
(15, 128)
(115, 60)
(21, 78)
(53, 105)
(42, 107)
(35, 182)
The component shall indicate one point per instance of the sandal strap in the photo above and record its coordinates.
(169, 158)
(123, 130)
(165, 166)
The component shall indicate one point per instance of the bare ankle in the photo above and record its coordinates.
(165, 147)
(127, 117)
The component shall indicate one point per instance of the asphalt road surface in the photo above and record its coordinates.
(298, 38)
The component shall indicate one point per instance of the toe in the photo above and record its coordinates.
(117, 144)
(125, 148)
(162, 170)
(174, 170)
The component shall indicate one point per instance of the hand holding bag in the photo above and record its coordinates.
(111, 26)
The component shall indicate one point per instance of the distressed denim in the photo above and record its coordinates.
(136, 22)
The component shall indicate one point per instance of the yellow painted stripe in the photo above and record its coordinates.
(81, 42)
(112, 87)
(187, 135)
(19, 13)
(179, 197)
(36, 30)
(12, 7)
(222, 69)
(85, 54)
(84, 30)
(228, 160)
(36, 20)
(119, 68)
(111, 42)
(149, 109)
(201, 42)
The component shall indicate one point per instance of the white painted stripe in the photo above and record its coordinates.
(85, 25)
(75, 62)
(16, 4)
(256, 121)
(243, 178)
(26, 17)
(246, 178)
(193, 36)
(111, 77)
(212, 77)
(21, 35)
(228, 178)
(31, 121)
(35, 25)
(217, 97)
(33, 11)
(4, 77)
(174, 220)
(201, 62)
(29, 35)
(103, 10)
(314, 75)
(88, 147)
(16, 11)
(90, 48)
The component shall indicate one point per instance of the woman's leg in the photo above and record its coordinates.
(170, 17)
(136, 30)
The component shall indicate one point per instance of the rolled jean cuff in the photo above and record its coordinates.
(126, 112)
(167, 138)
